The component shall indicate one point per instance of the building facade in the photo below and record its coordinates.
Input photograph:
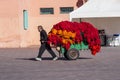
(19, 19)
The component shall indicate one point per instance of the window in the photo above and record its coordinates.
(46, 11)
(66, 9)
(25, 19)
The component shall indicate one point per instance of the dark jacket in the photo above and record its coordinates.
(43, 35)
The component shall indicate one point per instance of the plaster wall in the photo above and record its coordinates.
(12, 33)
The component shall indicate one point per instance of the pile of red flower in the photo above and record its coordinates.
(66, 33)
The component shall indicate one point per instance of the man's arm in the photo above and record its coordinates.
(44, 35)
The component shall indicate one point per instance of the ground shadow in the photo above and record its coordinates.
(85, 58)
(44, 58)
(32, 59)
(49, 58)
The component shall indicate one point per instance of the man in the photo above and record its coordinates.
(44, 45)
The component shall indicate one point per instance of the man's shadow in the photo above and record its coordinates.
(48, 58)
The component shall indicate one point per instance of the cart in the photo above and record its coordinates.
(73, 52)
(71, 37)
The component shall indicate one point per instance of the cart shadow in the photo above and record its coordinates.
(85, 58)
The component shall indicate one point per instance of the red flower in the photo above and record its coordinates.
(78, 31)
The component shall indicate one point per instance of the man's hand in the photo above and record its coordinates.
(51, 45)
(42, 41)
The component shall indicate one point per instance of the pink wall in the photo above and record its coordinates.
(9, 28)
(12, 33)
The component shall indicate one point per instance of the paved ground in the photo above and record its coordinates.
(18, 64)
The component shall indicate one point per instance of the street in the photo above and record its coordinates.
(19, 64)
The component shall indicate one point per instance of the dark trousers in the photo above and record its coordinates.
(43, 47)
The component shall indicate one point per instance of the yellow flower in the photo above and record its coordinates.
(59, 32)
(64, 41)
(71, 41)
(54, 31)
(73, 35)
(64, 32)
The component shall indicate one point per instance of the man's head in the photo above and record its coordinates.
(40, 28)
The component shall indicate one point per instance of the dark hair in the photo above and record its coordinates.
(40, 26)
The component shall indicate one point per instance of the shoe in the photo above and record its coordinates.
(55, 58)
(38, 59)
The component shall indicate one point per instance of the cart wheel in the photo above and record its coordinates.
(72, 54)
